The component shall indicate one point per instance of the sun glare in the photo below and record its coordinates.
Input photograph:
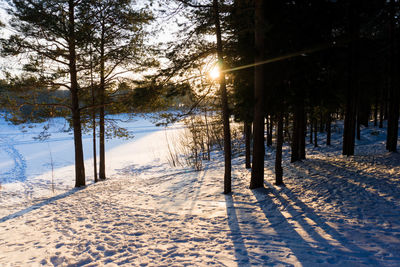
(214, 73)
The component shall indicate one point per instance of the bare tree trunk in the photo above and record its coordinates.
(257, 171)
(328, 129)
(381, 108)
(208, 136)
(278, 157)
(315, 133)
(224, 103)
(102, 167)
(295, 156)
(321, 123)
(93, 120)
(303, 134)
(358, 127)
(353, 83)
(376, 108)
(311, 130)
(247, 136)
(299, 131)
(286, 127)
(393, 114)
(76, 116)
(270, 128)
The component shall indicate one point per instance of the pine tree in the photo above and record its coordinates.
(117, 34)
(51, 33)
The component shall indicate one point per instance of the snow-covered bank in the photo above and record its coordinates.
(26, 164)
(333, 211)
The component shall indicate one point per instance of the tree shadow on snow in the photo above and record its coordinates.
(351, 185)
(284, 229)
(241, 253)
(328, 246)
(39, 205)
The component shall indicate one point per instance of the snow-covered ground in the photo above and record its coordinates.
(332, 211)
(31, 169)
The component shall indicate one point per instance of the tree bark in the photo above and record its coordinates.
(376, 108)
(76, 116)
(358, 124)
(315, 133)
(247, 136)
(353, 81)
(270, 129)
(303, 133)
(208, 135)
(224, 103)
(381, 108)
(295, 140)
(298, 138)
(93, 120)
(102, 89)
(393, 114)
(321, 123)
(328, 129)
(278, 156)
(257, 171)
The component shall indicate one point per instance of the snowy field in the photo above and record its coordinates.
(332, 211)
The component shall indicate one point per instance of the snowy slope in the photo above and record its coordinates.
(332, 211)
(31, 169)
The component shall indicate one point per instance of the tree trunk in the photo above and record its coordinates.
(224, 103)
(298, 138)
(376, 108)
(270, 128)
(208, 136)
(94, 147)
(76, 116)
(265, 136)
(328, 129)
(102, 89)
(303, 133)
(278, 157)
(381, 108)
(321, 123)
(93, 120)
(311, 131)
(257, 171)
(286, 124)
(393, 114)
(247, 136)
(295, 155)
(353, 82)
(315, 133)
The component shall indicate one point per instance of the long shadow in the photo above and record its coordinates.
(388, 160)
(299, 247)
(39, 205)
(352, 249)
(382, 185)
(241, 254)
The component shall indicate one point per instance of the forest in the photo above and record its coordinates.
(279, 68)
(269, 82)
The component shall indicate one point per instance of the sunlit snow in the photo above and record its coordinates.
(333, 210)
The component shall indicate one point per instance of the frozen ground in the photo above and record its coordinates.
(333, 210)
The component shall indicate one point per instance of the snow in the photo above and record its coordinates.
(333, 210)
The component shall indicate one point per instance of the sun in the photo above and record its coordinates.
(214, 73)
